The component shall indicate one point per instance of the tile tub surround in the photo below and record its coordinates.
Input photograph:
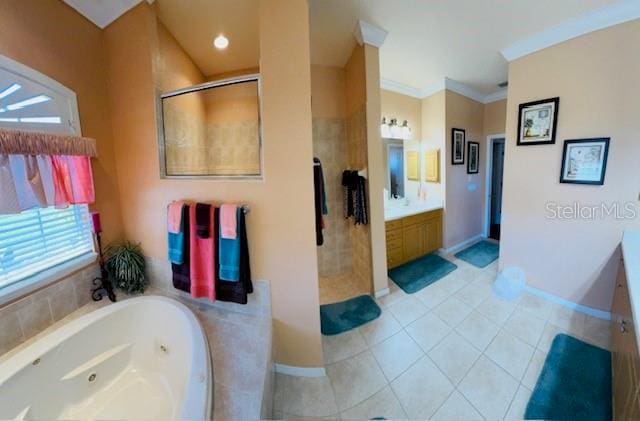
(450, 351)
(240, 337)
(33, 313)
(241, 349)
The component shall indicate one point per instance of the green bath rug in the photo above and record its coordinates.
(480, 254)
(422, 272)
(346, 315)
(575, 383)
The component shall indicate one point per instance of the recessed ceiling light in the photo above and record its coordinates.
(221, 42)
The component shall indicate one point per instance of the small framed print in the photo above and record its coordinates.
(537, 122)
(473, 157)
(457, 146)
(584, 161)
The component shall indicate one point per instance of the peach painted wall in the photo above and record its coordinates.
(280, 225)
(375, 170)
(464, 213)
(433, 135)
(596, 78)
(495, 118)
(52, 38)
(328, 92)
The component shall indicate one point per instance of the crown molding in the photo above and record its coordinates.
(445, 83)
(496, 96)
(432, 89)
(367, 33)
(464, 90)
(620, 12)
(400, 88)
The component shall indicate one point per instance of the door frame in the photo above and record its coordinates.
(491, 139)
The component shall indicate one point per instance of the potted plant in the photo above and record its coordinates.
(125, 265)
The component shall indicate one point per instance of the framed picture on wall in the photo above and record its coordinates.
(473, 158)
(457, 146)
(537, 122)
(413, 169)
(584, 161)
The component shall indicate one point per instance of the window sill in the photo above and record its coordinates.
(45, 278)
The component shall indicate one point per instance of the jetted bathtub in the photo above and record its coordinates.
(142, 358)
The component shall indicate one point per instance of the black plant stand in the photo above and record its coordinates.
(102, 284)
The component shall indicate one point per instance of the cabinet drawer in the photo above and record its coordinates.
(394, 235)
(394, 257)
(414, 219)
(393, 225)
(394, 243)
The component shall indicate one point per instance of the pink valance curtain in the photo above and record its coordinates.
(43, 169)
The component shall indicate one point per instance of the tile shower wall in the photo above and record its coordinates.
(32, 314)
(330, 146)
(360, 234)
(194, 146)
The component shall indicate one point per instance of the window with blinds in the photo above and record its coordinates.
(39, 239)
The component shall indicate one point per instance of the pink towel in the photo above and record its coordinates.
(81, 179)
(201, 252)
(174, 216)
(228, 222)
(61, 181)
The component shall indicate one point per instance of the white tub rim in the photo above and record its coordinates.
(18, 358)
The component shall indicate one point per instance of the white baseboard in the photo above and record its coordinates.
(600, 314)
(291, 370)
(381, 293)
(464, 244)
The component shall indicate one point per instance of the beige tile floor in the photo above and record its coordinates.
(339, 288)
(452, 351)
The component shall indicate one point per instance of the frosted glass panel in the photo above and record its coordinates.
(212, 130)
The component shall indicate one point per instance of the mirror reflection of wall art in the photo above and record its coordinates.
(584, 161)
(537, 122)
(432, 166)
(413, 170)
(211, 130)
(473, 158)
(457, 146)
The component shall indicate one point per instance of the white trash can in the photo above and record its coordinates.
(510, 283)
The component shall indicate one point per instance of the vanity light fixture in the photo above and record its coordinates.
(221, 42)
(393, 130)
(384, 129)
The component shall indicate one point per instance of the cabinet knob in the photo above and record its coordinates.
(619, 285)
(623, 329)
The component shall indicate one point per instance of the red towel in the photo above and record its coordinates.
(81, 179)
(61, 181)
(201, 252)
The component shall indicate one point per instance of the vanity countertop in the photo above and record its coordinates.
(631, 255)
(398, 210)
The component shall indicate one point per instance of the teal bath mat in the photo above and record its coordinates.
(575, 383)
(422, 272)
(346, 315)
(480, 254)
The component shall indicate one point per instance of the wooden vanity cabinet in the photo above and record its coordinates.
(625, 361)
(413, 236)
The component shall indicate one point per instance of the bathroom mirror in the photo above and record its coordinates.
(393, 154)
(211, 130)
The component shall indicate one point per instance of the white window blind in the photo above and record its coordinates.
(39, 239)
